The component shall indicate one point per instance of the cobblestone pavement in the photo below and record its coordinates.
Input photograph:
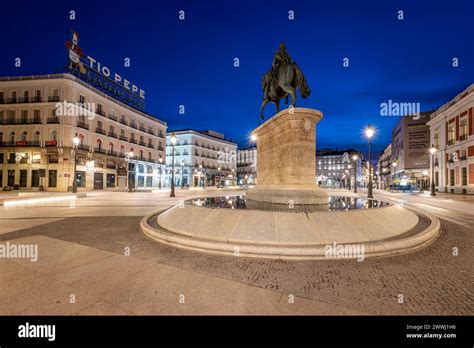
(432, 281)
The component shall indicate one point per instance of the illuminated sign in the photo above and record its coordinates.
(100, 76)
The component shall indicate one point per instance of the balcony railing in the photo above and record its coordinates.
(150, 131)
(21, 143)
(50, 143)
(36, 99)
(53, 98)
(100, 112)
(462, 137)
(52, 120)
(112, 153)
(142, 143)
(82, 125)
(462, 158)
(11, 101)
(133, 141)
(99, 150)
(150, 146)
(143, 129)
(123, 137)
(100, 131)
(83, 147)
(23, 100)
(133, 125)
(112, 134)
(451, 141)
(2, 101)
(113, 117)
(123, 121)
(35, 120)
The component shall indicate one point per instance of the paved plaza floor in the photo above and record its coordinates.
(94, 260)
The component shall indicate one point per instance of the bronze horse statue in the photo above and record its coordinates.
(289, 78)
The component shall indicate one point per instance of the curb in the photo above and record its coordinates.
(287, 252)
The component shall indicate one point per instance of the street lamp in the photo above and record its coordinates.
(432, 152)
(349, 176)
(200, 175)
(182, 166)
(173, 143)
(369, 132)
(355, 158)
(75, 141)
(130, 156)
(161, 171)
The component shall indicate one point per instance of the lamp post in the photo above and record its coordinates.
(348, 171)
(432, 152)
(173, 143)
(200, 175)
(130, 156)
(161, 171)
(369, 132)
(182, 167)
(75, 142)
(355, 158)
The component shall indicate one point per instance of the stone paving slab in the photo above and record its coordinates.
(106, 283)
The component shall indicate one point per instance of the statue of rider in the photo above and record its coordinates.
(280, 58)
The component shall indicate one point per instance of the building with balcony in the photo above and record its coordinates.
(201, 158)
(384, 168)
(337, 168)
(410, 152)
(40, 116)
(247, 166)
(452, 133)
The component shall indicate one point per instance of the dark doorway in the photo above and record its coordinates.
(98, 181)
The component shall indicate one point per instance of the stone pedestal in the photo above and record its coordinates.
(286, 159)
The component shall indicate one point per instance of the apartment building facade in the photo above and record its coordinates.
(452, 134)
(201, 159)
(41, 115)
(247, 166)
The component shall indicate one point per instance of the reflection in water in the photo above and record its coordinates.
(336, 203)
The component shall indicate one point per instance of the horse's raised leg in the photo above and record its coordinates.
(277, 105)
(262, 107)
(290, 90)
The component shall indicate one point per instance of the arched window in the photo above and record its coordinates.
(54, 135)
(99, 144)
(149, 156)
(111, 147)
(122, 149)
(11, 137)
(24, 136)
(36, 136)
(141, 154)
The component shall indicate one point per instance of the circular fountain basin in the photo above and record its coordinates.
(233, 226)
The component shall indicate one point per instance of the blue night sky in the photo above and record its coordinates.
(191, 62)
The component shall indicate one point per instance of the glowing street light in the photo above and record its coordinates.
(433, 188)
(130, 157)
(355, 158)
(75, 141)
(173, 143)
(369, 132)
